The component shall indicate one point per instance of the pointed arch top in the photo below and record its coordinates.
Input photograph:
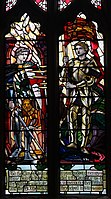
(62, 4)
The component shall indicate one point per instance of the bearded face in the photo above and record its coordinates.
(27, 105)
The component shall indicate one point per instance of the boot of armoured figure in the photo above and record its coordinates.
(73, 127)
(85, 129)
(18, 141)
(27, 155)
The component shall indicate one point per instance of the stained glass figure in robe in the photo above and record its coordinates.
(82, 112)
(26, 100)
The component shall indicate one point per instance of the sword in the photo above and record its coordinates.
(23, 123)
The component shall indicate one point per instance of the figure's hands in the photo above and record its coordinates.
(32, 128)
(69, 85)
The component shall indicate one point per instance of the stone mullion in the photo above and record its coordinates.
(2, 98)
(53, 103)
(106, 6)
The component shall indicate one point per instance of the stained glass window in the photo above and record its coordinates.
(10, 4)
(55, 99)
(82, 111)
(26, 108)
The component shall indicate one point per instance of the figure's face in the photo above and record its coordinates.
(80, 50)
(27, 105)
(22, 57)
(65, 59)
